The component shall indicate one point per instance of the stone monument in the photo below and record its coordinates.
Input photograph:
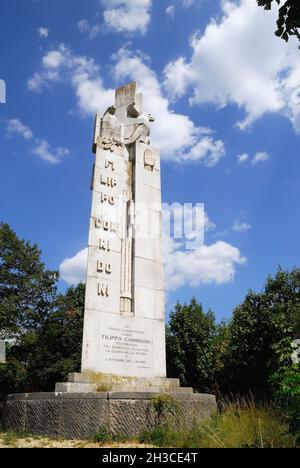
(124, 323)
(123, 351)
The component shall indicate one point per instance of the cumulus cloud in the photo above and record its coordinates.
(127, 16)
(16, 127)
(52, 155)
(242, 158)
(261, 156)
(83, 74)
(43, 32)
(176, 135)
(239, 60)
(73, 270)
(240, 226)
(210, 264)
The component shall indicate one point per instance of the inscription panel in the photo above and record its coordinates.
(125, 345)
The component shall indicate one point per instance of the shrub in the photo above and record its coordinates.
(238, 425)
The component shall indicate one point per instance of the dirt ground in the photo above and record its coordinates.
(8, 440)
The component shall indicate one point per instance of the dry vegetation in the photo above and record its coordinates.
(10, 440)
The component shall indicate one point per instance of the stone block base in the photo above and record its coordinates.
(80, 416)
(89, 382)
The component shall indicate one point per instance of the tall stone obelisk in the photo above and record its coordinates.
(124, 323)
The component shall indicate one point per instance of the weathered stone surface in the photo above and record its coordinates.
(70, 387)
(14, 416)
(78, 416)
(130, 417)
(43, 417)
(83, 418)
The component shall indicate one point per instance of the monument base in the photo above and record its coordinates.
(82, 415)
(90, 382)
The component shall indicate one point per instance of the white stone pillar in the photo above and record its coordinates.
(124, 323)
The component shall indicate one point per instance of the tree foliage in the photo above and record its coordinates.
(191, 338)
(288, 23)
(43, 330)
(58, 350)
(27, 289)
(261, 333)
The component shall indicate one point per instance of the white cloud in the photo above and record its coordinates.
(242, 158)
(215, 263)
(177, 137)
(54, 59)
(16, 127)
(41, 148)
(260, 157)
(207, 150)
(43, 32)
(127, 16)
(240, 226)
(83, 26)
(52, 155)
(178, 76)
(239, 60)
(170, 10)
(91, 30)
(81, 72)
(208, 264)
(73, 270)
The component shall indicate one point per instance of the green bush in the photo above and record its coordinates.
(158, 436)
(238, 425)
(287, 391)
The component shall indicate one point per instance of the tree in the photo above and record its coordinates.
(58, 350)
(27, 289)
(261, 328)
(191, 346)
(27, 295)
(288, 23)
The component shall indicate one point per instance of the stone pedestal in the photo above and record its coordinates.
(80, 416)
(95, 382)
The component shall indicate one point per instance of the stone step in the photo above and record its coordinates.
(117, 381)
(70, 387)
(74, 387)
(153, 389)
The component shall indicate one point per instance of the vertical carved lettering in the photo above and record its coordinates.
(104, 267)
(107, 198)
(103, 290)
(104, 245)
(109, 164)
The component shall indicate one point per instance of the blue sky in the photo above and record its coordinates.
(226, 96)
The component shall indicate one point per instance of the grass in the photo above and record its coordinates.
(104, 436)
(11, 439)
(240, 425)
